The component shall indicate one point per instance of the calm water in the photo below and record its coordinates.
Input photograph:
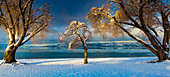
(100, 49)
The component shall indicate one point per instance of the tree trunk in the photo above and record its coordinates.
(85, 50)
(155, 42)
(9, 56)
(85, 55)
(166, 27)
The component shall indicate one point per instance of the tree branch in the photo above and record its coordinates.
(8, 11)
(126, 23)
(26, 5)
(153, 30)
(33, 33)
(140, 41)
(126, 13)
(141, 14)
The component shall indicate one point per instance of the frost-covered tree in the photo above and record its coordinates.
(149, 17)
(79, 33)
(22, 20)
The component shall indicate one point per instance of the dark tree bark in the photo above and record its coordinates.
(9, 55)
(85, 55)
(85, 49)
(166, 27)
(161, 54)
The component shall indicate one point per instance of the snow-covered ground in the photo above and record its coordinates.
(97, 67)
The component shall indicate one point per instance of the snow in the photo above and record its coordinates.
(8, 47)
(9, 33)
(155, 37)
(97, 67)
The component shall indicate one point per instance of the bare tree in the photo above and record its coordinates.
(143, 15)
(79, 33)
(22, 20)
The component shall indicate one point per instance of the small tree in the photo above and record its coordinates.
(79, 33)
(142, 15)
(22, 20)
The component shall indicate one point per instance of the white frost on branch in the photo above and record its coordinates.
(8, 47)
(79, 32)
(156, 39)
(10, 35)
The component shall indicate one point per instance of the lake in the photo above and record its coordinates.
(96, 49)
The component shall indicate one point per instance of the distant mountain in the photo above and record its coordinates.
(111, 39)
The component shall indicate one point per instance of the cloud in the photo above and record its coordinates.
(68, 10)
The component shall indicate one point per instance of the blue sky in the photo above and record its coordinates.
(67, 10)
